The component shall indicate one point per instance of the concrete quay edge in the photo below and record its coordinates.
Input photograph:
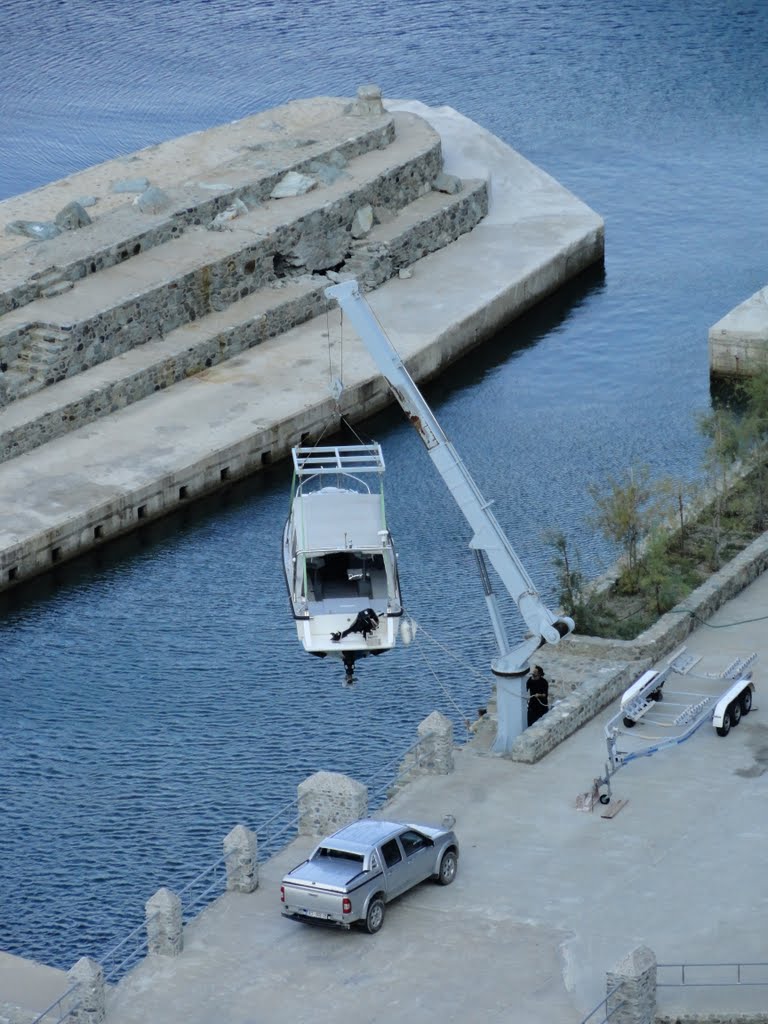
(738, 343)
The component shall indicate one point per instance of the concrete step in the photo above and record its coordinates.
(200, 178)
(57, 288)
(187, 278)
(430, 223)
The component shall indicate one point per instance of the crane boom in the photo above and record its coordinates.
(488, 537)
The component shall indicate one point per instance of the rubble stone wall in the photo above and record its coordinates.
(192, 208)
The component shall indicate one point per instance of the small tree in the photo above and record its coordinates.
(586, 612)
(655, 575)
(623, 514)
(569, 576)
(675, 498)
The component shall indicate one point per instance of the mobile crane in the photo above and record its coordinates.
(512, 662)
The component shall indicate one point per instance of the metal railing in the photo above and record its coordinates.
(126, 954)
(601, 1014)
(380, 789)
(63, 1007)
(701, 974)
(275, 833)
(203, 888)
(690, 975)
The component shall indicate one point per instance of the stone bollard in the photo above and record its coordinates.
(368, 102)
(634, 1001)
(434, 753)
(165, 935)
(241, 848)
(328, 801)
(89, 997)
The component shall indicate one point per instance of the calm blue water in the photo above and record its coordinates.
(154, 695)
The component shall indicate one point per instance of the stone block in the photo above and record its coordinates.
(241, 850)
(631, 988)
(164, 924)
(90, 996)
(328, 801)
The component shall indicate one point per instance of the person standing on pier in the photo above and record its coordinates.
(538, 694)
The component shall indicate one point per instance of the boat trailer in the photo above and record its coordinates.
(680, 711)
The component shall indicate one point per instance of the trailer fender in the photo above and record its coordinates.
(733, 693)
(637, 686)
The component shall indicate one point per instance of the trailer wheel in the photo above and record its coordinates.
(629, 722)
(374, 919)
(746, 701)
(735, 712)
(725, 728)
(657, 694)
(604, 798)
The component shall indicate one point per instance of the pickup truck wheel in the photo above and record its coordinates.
(448, 866)
(746, 701)
(374, 919)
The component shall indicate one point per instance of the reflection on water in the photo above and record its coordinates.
(154, 693)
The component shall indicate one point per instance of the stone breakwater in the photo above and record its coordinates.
(292, 207)
(154, 349)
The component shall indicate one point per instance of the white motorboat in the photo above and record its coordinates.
(340, 562)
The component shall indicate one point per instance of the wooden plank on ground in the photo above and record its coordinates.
(613, 808)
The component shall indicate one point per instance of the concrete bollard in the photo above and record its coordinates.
(634, 1001)
(434, 753)
(165, 935)
(241, 848)
(90, 996)
(328, 801)
(435, 750)
(368, 102)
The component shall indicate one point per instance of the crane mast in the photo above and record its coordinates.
(488, 538)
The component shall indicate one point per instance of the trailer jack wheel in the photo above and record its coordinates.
(604, 798)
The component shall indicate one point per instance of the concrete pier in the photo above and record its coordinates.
(738, 344)
(553, 905)
(181, 339)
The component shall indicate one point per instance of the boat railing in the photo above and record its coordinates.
(317, 478)
(340, 458)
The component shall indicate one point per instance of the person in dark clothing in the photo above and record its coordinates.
(365, 622)
(538, 694)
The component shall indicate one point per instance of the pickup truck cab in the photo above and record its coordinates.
(353, 874)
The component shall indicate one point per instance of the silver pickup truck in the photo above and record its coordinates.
(352, 874)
